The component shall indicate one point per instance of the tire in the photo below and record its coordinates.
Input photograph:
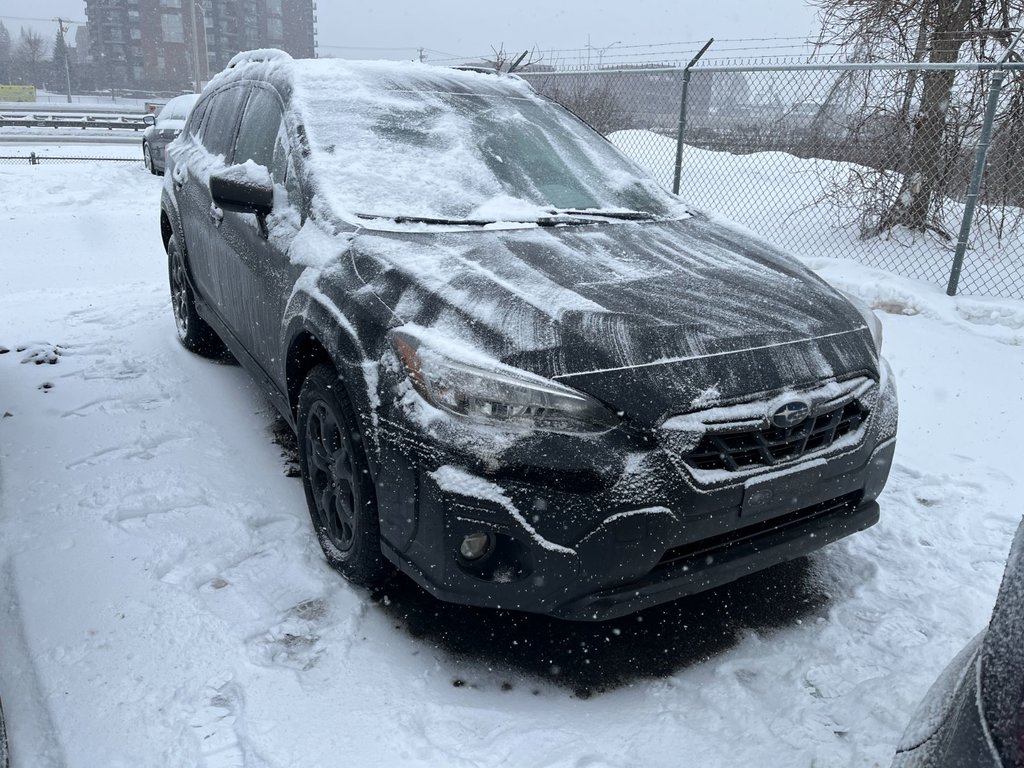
(335, 473)
(193, 332)
(147, 158)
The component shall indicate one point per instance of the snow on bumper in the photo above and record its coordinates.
(564, 545)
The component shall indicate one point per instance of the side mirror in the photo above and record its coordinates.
(245, 188)
(149, 119)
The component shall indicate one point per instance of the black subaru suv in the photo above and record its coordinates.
(518, 369)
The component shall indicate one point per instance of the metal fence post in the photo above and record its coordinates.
(974, 188)
(682, 116)
(981, 153)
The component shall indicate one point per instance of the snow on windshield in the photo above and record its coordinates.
(405, 139)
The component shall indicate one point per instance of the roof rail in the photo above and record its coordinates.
(260, 54)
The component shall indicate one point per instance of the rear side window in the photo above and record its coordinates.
(258, 131)
(218, 134)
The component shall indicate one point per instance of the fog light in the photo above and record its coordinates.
(475, 545)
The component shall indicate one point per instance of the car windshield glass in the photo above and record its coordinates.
(459, 145)
(177, 108)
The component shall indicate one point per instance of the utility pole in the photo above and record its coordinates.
(195, 45)
(423, 55)
(61, 29)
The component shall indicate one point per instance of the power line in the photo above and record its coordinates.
(45, 21)
(370, 47)
(679, 46)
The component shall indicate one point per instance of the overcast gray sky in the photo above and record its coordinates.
(396, 29)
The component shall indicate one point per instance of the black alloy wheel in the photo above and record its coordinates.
(339, 490)
(193, 332)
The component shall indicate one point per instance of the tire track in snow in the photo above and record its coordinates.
(33, 739)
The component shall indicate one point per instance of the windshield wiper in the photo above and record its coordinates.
(558, 217)
(429, 220)
(624, 215)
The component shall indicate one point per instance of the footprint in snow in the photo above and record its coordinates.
(215, 725)
(41, 352)
(294, 642)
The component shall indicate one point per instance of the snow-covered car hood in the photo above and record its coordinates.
(163, 130)
(680, 308)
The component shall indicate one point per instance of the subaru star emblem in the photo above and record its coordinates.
(790, 414)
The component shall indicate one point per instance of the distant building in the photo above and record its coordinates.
(154, 45)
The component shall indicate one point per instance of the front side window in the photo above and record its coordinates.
(259, 127)
(218, 134)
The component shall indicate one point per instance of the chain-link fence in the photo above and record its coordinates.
(872, 163)
(31, 158)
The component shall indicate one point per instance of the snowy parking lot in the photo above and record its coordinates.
(165, 602)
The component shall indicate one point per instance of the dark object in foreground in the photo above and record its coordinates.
(518, 369)
(5, 757)
(973, 716)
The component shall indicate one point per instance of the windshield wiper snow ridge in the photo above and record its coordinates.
(624, 215)
(557, 217)
(429, 220)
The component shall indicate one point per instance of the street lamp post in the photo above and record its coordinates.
(197, 69)
(600, 55)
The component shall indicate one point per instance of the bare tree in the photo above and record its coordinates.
(504, 61)
(934, 31)
(5, 54)
(590, 95)
(29, 56)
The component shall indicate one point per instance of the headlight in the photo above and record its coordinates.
(870, 319)
(492, 393)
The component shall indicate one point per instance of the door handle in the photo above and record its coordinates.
(216, 215)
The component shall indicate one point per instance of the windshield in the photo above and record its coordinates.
(494, 153)
(178, 107)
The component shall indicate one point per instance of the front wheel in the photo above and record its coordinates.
(147, 158)
(336, 475)
(193, 332)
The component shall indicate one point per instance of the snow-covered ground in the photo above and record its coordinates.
(91, 142)
(165, 603)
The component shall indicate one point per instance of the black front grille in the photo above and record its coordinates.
(721, 543)
(765, 447)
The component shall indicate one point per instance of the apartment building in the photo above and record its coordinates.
(169, 45)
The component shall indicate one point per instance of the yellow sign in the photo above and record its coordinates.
(17, 93)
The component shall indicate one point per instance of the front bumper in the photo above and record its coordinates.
(652, 535)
